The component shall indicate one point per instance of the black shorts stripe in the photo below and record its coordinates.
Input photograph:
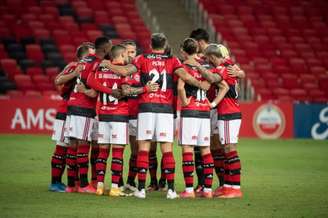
(233, 116)
(80, 111)
(155, 108)
(113, 118)
(195, 114)
(61, 116)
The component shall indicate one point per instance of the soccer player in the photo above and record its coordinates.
(229, 121)
(202, 37)
(113, 116)
(133, 81)
(155, 116)
(195, 122)
(81, 111)
(65, 83)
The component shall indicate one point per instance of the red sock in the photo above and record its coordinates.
(153, 167)
(93, 158)
(234, 168)
(83, 163)
(188, 169)
(218, 157)
(58, 164)
(101, 163)
(117, 164)
(133, 170)
(71, 166)
(142, 164)
(208, 166)
(169, 168)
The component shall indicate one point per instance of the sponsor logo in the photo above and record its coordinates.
(206, 139)
(194, 137)
(148, 132)
(114, 136)
(162, 134)
(269, 121)
(320, 129)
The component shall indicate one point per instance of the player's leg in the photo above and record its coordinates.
(101, 166)
(71, 166)
(146, 129)
(94, 153)
(81, 129)
(188, 171)
(133, 170)
(119, 139)
(165, 134)
(58, 159)
(217, 151)
(162, 180)
(229, 136)
(153, 164)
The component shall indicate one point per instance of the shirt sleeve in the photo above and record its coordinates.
(176, 63)
(137, 62)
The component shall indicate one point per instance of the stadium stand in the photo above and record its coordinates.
(39, 37)
(282, 45)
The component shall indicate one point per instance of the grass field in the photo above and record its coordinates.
(280, 178)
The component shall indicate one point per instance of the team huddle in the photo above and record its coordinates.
(112, 98)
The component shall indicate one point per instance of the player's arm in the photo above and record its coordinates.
(88, 92)
(187, 78)
(128, 90)
(182, 93)
(63, 78)
(126, 70)
(208, 75)
(236, 71)
(223, 89)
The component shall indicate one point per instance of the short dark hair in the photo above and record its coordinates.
(190, 46)
(158, 41)
(83, 49)
(101, 41)
(129, 42)
(200, 34)
(117, 51)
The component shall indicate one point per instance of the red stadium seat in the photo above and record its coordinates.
(34, 71)
(34, 52)
(24, 82)
(52, 71)
(41, 79)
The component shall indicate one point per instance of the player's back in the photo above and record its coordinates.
(198, 98)
(158, 68)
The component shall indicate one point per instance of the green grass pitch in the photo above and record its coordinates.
(280, 178)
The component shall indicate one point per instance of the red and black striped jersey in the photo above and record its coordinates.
(109, 105)
(158, 68)
(229, 107)
(198, 106)
(66, 89)
(77, 99)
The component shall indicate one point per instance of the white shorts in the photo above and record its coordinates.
(155, 126)
(113, 133)
(58, 134)
(195, 131)
(94, 131)
(79, 127)
(133, 127)
(229, 131)
(214, 120)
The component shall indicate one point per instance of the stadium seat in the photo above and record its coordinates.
(24, 82)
